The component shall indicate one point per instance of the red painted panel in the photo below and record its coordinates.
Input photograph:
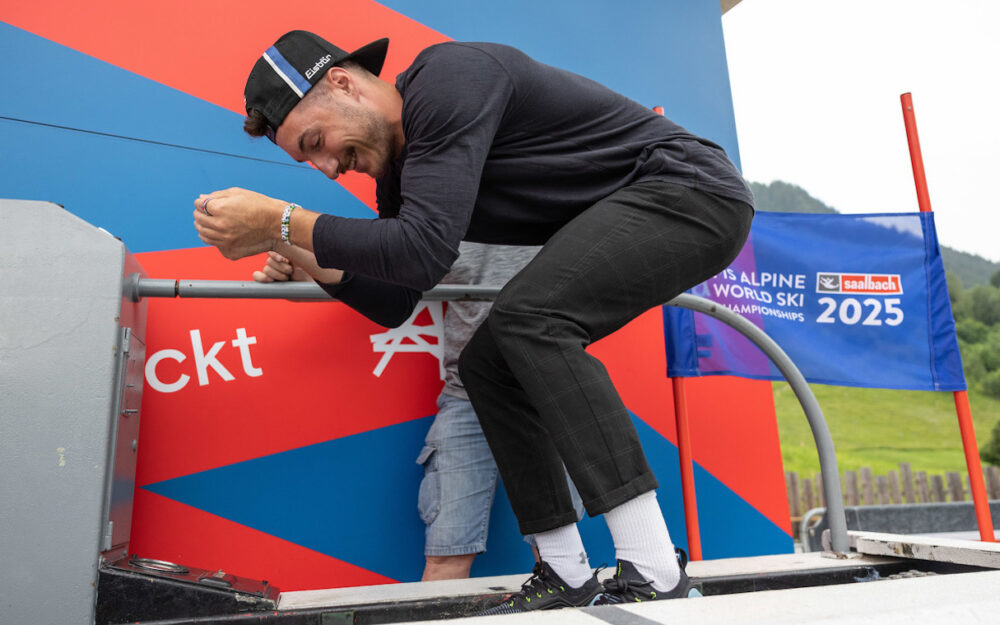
(315, 382)
(178, 533)
(206, 49)
(734, 434)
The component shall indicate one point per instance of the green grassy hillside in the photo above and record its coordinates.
(881, 428)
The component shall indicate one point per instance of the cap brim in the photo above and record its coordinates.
(372, 56)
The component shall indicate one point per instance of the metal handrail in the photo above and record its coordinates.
(137, 287)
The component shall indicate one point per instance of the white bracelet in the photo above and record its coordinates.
(286, 217)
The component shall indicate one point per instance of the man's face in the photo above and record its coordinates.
(337, 133)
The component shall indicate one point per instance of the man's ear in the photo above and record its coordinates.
(339, 79)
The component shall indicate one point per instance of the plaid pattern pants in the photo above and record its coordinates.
(541, 399)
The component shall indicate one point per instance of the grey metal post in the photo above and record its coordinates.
(139, 288)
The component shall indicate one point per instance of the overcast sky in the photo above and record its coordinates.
(816, 86)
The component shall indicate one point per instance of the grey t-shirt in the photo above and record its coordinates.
(478, 264)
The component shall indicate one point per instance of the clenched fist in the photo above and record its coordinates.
(239, 222)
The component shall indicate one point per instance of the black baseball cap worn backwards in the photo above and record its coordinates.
(295, 64)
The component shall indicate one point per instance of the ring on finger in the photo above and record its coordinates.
(204, 206)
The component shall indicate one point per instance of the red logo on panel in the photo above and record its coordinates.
(859, 283)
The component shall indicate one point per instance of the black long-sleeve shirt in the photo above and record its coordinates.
(503, 149)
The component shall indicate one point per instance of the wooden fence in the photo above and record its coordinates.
(862, 488)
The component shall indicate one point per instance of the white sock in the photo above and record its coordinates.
(641, 537)
(562, 549)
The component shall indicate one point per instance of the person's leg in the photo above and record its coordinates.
(539, 395)
(563, 547)
(447, 567)
(457, 491)
(535, 477)
(641, 537)
(543, 472)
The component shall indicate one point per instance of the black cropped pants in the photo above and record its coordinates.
(542, 400)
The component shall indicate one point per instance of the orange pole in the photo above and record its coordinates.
(919, 178)
(686, 458)
(976, 484)
(965, 426)
(687, 469)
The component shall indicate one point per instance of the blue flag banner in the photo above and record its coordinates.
(854, 300)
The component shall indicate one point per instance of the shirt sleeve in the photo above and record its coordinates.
(386, 304)
(455, 99)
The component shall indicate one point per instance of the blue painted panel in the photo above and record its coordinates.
(129, 154)
(143, 192)
(669, 54)
(85, 93)
(730, 527)
(354, 499)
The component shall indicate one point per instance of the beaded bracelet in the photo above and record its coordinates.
(286, 218)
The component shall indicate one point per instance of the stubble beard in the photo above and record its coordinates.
(377, 137)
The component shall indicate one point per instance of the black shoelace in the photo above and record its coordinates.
(619, 586)
(538, 583)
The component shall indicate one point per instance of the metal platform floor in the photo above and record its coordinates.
(793, 588)
(887, 579)
(934, 600)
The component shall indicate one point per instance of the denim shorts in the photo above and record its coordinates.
(460, 481)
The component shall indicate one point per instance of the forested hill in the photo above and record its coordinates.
(783, 197)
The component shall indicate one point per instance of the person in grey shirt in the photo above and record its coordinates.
(460, 476)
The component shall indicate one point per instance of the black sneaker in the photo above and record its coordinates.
(545, 590)
(628, 586)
